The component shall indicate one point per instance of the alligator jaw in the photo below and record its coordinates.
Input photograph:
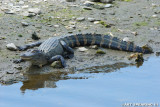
(25, 58)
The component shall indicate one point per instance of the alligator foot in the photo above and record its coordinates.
(58, 57)
(69, 56)
(18, 61)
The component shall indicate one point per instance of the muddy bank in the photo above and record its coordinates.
(139, 21)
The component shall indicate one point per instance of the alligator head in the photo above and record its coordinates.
(35, 56)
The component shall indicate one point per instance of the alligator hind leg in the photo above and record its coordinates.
(58, 57)
(25, 47)
(69, 50)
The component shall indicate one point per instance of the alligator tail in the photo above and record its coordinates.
(105, 41)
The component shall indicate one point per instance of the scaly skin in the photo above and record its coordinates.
(54, 48)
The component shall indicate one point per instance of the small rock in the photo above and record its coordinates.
(24, 7)
(80, 19)
(96, 22)
(10, 72)
(35, 36)
(91, 19)
(99, 51)
(154, 16)
(157, 53)
(87, 8)
(94, 47)
(88, 3)
(21, 2)
(108, 5)
(28, 14)
(11, 46)
(135, 33)
(56, 26)
(24, 23)
(154, 5)
(56, 64)
(10, 12)
(126, 39)
(34, 10)
(82, 49)
(18, 67)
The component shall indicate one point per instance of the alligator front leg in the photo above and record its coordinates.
(69, 50)
(58, 57)
(25, 47)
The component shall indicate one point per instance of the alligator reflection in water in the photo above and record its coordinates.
(36, 81)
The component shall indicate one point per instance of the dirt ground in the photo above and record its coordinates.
(138, 20)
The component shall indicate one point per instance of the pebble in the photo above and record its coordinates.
(154, 5)
(21, 2)
(24, 23)
(126, 39)
(94, 47)
(82, 49)
(154, 16)
(56, 64)
(34, 10)
(18, 67)
(11, 46)
(80, 19)
(87, 8)
(10, 12)
(88, 3)
(24, 7)
(135, 33)
(91, 19)
(108, 5)
(56, 26)
(10, 72)
(28, 14)
(96, 22)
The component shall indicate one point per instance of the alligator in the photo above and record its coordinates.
(58, 48)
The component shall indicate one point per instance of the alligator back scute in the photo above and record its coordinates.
(105, 41)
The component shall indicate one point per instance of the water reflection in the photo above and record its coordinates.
(36, 80)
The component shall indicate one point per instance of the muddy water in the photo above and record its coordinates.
(105, 86)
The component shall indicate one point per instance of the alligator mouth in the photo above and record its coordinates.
(26, 58)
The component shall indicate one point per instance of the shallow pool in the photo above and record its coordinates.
(124, 85)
